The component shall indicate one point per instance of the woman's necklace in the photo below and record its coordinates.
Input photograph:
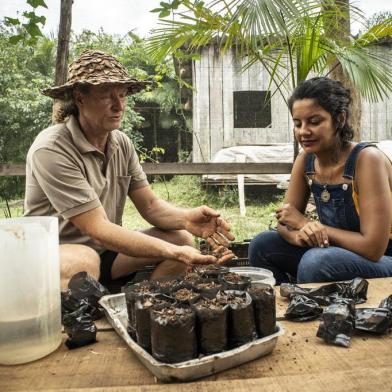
(325, 195)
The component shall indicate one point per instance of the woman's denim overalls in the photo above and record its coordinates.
(268, 250)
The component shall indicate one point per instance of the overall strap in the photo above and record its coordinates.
(349, 168)
(309, 164)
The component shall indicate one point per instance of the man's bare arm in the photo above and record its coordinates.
(133, 243)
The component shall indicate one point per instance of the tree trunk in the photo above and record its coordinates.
(340, 28)
(62, 48)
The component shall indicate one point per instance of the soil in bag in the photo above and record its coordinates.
(208, 288)
(337, 323)
(211, 325)
(173, 333)
(191, 277)
(133, 292)
(237, 282)
(212, 271)
(264, 307)
(186, 295)
(241, 325)
(166, 284)
(143, 306)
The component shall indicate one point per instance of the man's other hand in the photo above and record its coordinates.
(206, 223)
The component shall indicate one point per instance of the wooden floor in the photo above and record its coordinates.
(300, 362)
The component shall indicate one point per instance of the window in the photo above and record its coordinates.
(252, 109)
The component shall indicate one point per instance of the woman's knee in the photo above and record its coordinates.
(315, 266)
(262, 243)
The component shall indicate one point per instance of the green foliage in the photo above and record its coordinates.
(23, 110)
(188, 192)
(377, 19)
(26, 69)
(28, 27)
(269, 32)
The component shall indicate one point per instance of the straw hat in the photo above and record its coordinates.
(94, 67)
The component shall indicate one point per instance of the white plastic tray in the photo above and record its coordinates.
(116, 313)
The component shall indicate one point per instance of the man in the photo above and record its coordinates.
(81, 170)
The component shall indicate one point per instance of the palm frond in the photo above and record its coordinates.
(368, 72)
(375, 34)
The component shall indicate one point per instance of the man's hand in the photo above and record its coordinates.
(222, 253)
(287, 215)
(189, 255)
(313, 234)
(206, 223)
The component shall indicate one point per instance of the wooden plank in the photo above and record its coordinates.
(216, 107)
(12, 170)
(179, 168)
(201, 139)
(299, 362)
(351, 380)
(217, 168)
(227, 103)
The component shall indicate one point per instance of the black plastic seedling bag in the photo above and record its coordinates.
(375, 320)
(211, 325)
(355, 289)
(173, 333)
(80, 328)
(264, 307)
(302, 308)
(79, 307)
(236, 282)
(143, 306)
(83, 290)
(84, 286)
(208, 288)
(212, 271)
(242, 328)
(133, 292)
(386, 303)
(337, 323)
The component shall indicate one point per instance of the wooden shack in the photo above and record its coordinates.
(231, 106)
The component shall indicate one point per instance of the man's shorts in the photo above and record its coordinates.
(105, 278)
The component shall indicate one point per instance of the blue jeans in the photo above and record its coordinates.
(270, 251)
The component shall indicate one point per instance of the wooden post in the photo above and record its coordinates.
(61, 72)
(240, 158)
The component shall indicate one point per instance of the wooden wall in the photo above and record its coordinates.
(216, 77)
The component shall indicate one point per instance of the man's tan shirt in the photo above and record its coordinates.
(66, 176)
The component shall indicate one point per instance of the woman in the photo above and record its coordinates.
(351, 184)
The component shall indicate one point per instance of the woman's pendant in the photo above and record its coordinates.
(325, 195)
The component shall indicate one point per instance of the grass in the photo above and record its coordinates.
(187, 191)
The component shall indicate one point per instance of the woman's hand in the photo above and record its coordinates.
(289, 216)
(313, 234)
